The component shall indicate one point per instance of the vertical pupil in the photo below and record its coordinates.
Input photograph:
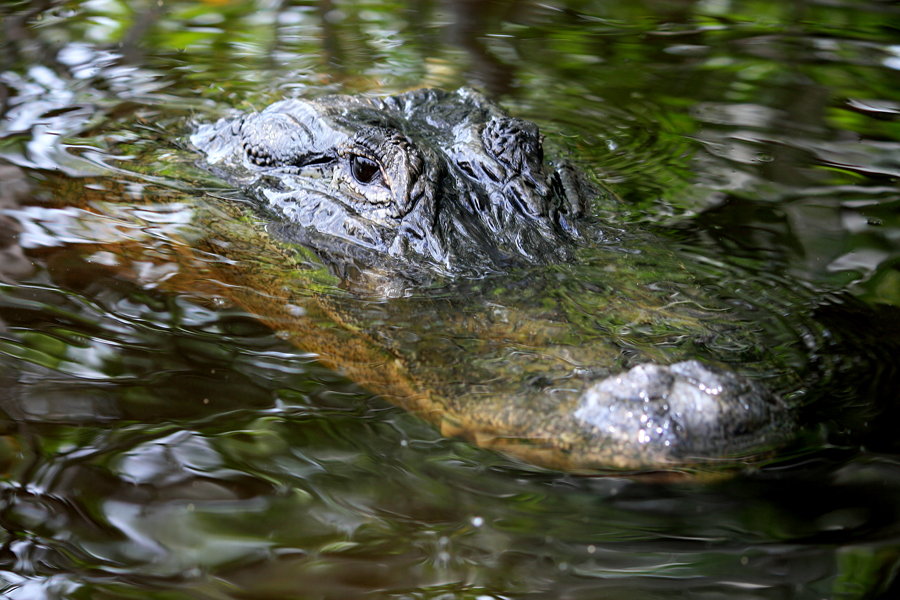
(363, 169)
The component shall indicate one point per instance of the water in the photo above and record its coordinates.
(165, 444)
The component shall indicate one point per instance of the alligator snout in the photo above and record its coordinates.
(681, 411)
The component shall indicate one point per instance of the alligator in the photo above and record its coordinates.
(469, 272)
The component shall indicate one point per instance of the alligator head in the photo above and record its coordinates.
(451, 182)
(428, 177)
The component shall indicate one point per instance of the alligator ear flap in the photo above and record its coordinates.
(416, 234)
(405, 178)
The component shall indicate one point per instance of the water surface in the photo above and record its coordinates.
(168, 445)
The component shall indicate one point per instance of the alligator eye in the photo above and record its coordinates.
(363, 169)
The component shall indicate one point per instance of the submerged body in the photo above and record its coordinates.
(461, 250)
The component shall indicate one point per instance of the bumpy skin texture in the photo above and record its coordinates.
(449, 182)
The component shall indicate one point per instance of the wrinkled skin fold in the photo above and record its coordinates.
(451, 181)
(449, 185)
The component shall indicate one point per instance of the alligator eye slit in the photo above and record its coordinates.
(363, 169)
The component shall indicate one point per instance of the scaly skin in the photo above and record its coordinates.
(543, 359)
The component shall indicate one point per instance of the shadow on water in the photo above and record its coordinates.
(164, 444)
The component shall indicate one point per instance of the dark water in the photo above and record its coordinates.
(166, 445)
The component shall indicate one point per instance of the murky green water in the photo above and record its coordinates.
(162, 444)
